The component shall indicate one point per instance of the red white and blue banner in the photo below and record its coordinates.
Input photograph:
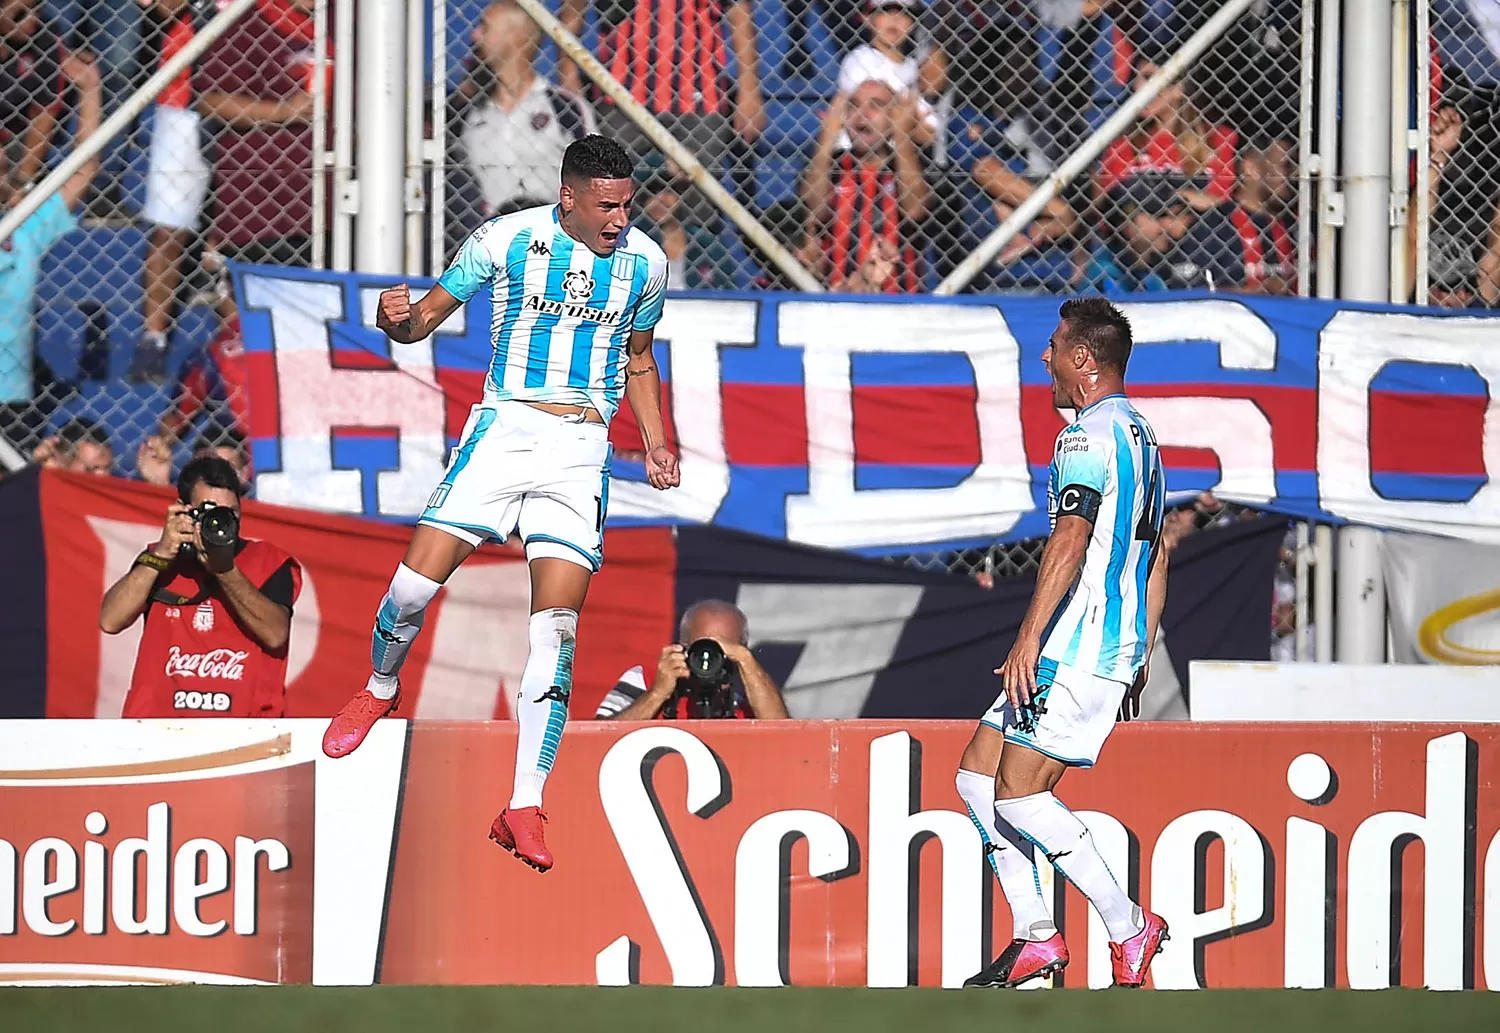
(843, 635)
(900, 423)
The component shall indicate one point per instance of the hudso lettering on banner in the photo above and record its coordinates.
(796, 417)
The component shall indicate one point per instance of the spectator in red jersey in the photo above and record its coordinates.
(740, 689)
(177, 182)
(255, 82)
(867, 202)
(670, 55)
(1172, 137)
(31, 85)
(218, 619)
(1245, 243)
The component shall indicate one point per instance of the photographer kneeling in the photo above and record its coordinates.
(218, 608)
(712, 675)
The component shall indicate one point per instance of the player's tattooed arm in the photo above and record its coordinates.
(404, 320)
(643, 391)
(1061, 561)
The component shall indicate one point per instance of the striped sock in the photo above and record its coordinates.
(397, 623)
(542, 702)
(1047, 822)
(1009, 857)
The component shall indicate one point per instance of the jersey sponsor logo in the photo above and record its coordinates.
(224, 664)
(1077, 443)
(578, 286)
(547, 306)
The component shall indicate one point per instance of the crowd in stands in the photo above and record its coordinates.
(879, 141)
(940, 120)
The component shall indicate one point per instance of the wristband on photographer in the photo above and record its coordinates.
(147, 558)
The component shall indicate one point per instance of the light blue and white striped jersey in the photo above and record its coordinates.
(562, 314)
(1100, 625)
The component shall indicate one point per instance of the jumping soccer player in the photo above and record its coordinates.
(577, 295)
(1079, 658)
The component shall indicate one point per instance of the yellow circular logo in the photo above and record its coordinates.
(1436, 635)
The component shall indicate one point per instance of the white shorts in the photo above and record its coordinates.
(1075, 713)
(177, 176)
(516, 466)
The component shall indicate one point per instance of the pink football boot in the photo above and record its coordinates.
(1024, 960)
(1132, 959)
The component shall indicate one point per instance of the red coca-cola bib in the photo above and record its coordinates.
(196, 659)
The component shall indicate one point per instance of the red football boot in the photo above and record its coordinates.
(350, 725)
(1024, 960)
(520, 832)
(1132, 959)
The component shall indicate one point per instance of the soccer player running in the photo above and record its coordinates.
(1079, 659)
(577, 295)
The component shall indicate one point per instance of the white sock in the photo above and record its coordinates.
(1043, 819)
(542, 702)
(1011, 861)
(397, 623)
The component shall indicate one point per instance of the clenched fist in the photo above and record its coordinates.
(394, 308)
(661, 469)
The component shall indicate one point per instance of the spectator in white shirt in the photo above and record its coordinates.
(517, 124)
(895, 57)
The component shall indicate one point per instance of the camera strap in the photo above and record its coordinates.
(166, 598)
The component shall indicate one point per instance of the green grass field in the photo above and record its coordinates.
(657, 1009)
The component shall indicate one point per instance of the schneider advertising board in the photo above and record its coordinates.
(810, 853)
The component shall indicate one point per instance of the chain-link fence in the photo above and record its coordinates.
(123, 352)
(880, 142)
(985, 563)
(1456, 225)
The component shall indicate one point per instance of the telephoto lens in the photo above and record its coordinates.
(706, 661)
(218, 526)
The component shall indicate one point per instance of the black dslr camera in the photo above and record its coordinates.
(218, 526)
(707, 686)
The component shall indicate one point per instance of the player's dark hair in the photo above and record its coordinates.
(1101, 327)
(595, 157)
(209, 470)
